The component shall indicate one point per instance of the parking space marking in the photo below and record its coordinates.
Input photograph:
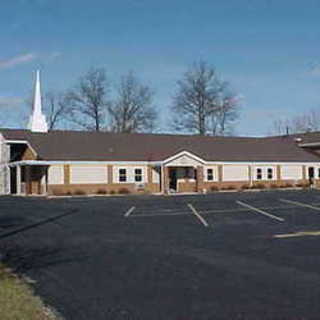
(260, 211)
(181, 213)
(297, 234)
(127, 214)
(196, 213)
(300, 204)
(243, 209)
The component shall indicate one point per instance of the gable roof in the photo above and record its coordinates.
(61, 145)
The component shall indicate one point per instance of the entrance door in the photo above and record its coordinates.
(311, 174)
(173, 179)
(13, 180)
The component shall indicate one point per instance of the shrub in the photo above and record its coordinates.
(259, 186)
(287, 185)
(57, 192)
(102, 191)
(124, 191)
(214, 188)
(273, 186)
(303, 185)
(79, 192)
(245, 187)
(69, 193)
(231, 187)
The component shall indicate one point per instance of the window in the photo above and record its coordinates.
(319, 173)
(259, 174)
(122, 175)
(210, 174)
(270, 173)
(137, 175)
(189, 173)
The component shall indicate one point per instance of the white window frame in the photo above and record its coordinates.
(126, 175)
(259, 172)
(141, 175)
(272, 173)
(212, 174)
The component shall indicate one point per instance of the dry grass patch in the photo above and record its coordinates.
(17, 300)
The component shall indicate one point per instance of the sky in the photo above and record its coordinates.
(269, 50)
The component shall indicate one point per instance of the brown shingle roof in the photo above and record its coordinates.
(103, 146)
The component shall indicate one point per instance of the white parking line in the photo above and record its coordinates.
(127, 214)
(297, 234)
(260, 211)
(300, 204)
(195, 212)
(182, 213)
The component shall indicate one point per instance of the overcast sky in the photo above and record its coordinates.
(268, 50)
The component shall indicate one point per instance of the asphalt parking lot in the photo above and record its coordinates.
(249, 255)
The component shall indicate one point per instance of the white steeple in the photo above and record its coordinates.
(37, 121)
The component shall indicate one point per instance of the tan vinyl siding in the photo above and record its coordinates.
(291, 172)
(88, 174)
(155, 175)
(235, 173)
(56, 175)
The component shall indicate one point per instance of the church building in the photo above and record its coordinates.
(35, 161)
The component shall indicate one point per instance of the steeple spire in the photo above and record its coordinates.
(37, 121)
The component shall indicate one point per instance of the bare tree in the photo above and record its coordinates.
(306, 122)
(224, 117)
(88, 100)
(57, 109)
(203, 104)
(133, 109)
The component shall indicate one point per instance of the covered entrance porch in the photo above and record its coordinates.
(182, 173)
(26, 179)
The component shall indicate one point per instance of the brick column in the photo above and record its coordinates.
(110, 174)
(149, 174)
(166, 180)
(220, 173)
(279, 174)
(66, 174)
(199, 187)
(250, 175)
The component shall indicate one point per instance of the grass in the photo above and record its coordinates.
(17, 300)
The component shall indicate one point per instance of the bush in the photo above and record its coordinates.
(214, 188)
(124, 191)
(259, 186)
(245, 187)
(79, 193)
(112, 192)
(57, 192)
(303, 185)
(231, 187)
(274, 186)
(102, 191)
(287, 185)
